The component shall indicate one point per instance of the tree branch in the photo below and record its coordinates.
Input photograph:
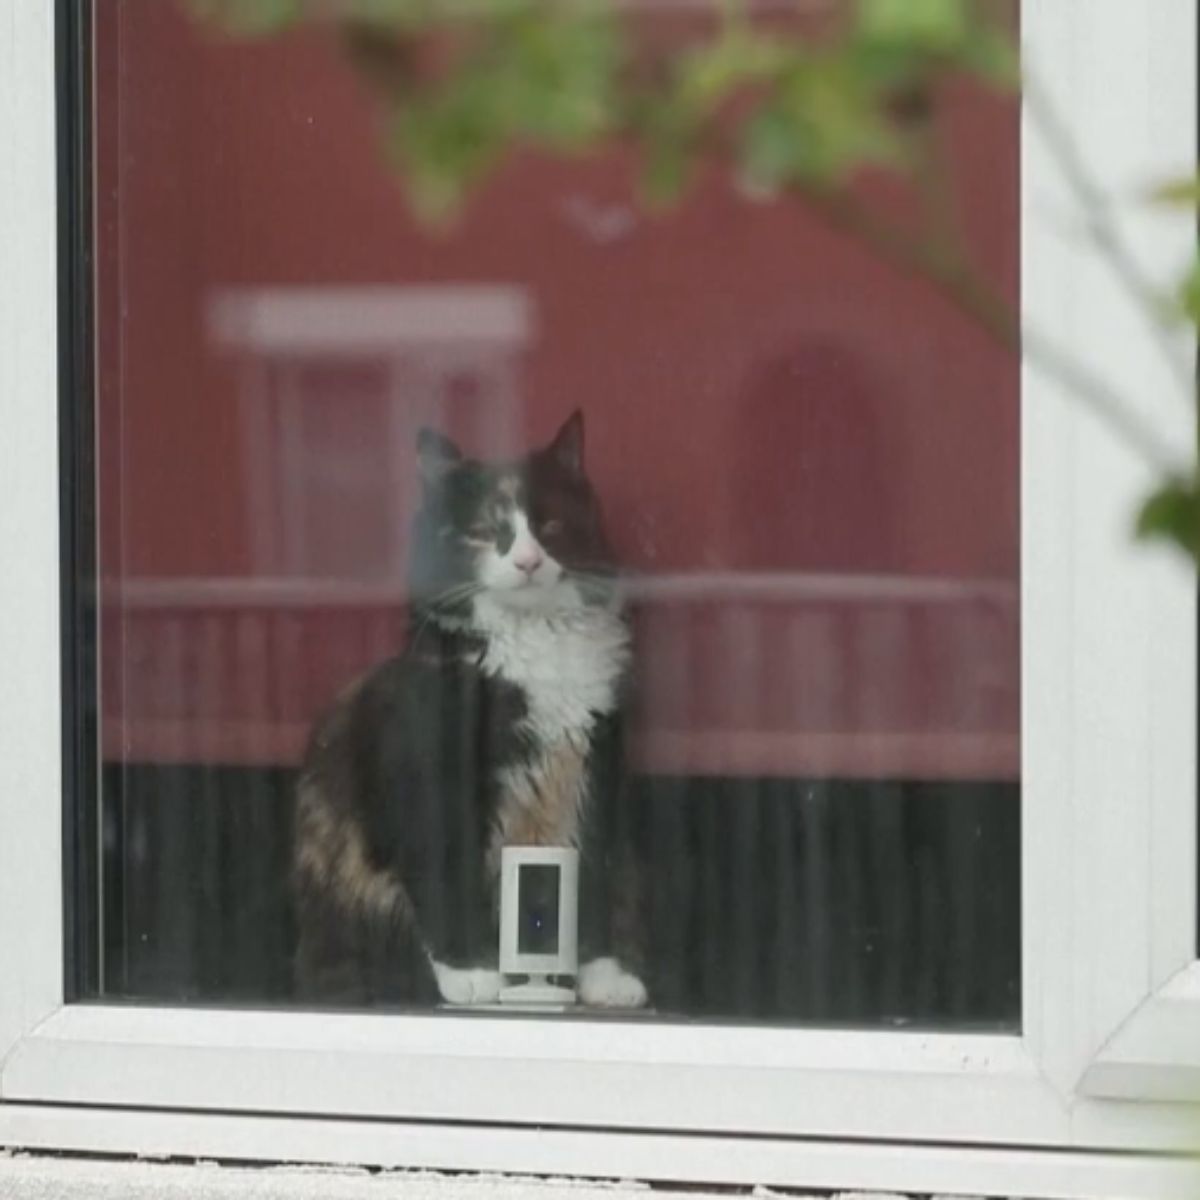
(954, 277)
(1103, 232)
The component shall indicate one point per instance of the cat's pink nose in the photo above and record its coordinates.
(528, 559)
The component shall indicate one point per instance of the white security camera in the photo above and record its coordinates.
(539, 923)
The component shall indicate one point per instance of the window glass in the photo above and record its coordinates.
(763, 667)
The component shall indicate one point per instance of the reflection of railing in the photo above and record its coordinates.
(788, 674)
(829, 675)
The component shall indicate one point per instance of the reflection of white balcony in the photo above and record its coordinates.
(696, 586)
(806, 675)
(332, 384)
(788, 587)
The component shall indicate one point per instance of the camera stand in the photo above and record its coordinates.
(538, 990)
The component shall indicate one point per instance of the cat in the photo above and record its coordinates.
(499, 723)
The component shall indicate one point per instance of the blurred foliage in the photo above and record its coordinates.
(1172, 512)
(792, 101)
(466, 81)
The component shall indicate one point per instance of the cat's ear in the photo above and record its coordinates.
(437, 455)
(567, 447)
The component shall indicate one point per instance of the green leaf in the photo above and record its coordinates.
(555, 76)
(899, 43)
(1189, 294)
(525, 74)
(666, 171)
(930, 26)
(445, 144)
(667, 131)
(1179, 193)
(772, 149)
(249, 18)
(1172, 513)
(820, 124)
(992, 55)
(711, 72)
(404, 14)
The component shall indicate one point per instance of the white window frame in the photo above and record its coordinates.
(1096, 1095)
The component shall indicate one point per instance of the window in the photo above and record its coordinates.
(824, 757)
(914, 868)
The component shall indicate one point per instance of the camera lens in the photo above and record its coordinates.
(537, 925)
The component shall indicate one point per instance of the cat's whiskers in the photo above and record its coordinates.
(595, 586)
(438, 603)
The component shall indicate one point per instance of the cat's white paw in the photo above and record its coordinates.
(468, 985)
(604, 983)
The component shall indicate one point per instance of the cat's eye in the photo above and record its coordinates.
(550, 528)
(480, 531)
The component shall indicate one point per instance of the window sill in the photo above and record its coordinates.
(1155, 1055)
(610, 1073)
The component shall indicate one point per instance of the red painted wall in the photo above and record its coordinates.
(761, 395)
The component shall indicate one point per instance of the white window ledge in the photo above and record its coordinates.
(1155, 1055)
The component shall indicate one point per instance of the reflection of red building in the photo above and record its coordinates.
(819, 456)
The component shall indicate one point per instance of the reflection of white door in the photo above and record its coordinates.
(334, 383)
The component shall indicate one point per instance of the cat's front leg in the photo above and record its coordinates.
(609, 936)
(467, 985)
(605, 983)
(460, 947)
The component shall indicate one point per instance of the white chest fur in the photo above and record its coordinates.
(569, 664)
